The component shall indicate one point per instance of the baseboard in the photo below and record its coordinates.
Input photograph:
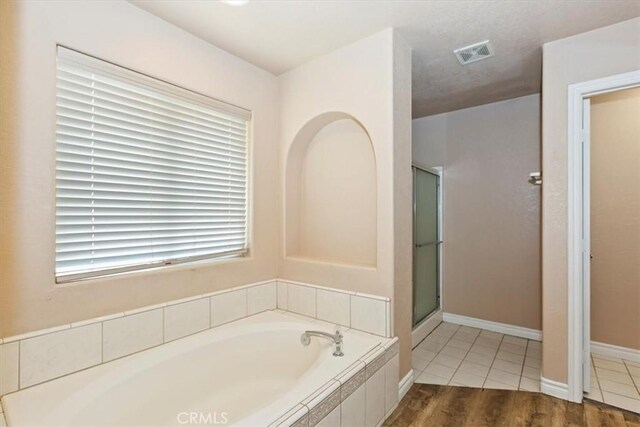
(423, 329)
(554, 388)
(503, 328)
(405, 384)
(611, 350)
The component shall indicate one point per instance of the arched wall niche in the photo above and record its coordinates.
(331, 192)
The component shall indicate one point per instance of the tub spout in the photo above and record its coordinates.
(336, 338)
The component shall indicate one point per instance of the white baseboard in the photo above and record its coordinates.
(427, 326)
(503, 328)
(405, 384)
(610, 350)
(554, 388)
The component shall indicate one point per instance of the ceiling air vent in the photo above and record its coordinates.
(475, 52)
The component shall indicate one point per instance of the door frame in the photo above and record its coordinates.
(578, 231)
(428, 324)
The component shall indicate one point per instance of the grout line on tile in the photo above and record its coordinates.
(465, 356)
(493, 361)
(633, 381)
(526, 349)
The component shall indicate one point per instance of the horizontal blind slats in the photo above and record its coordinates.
(150, 96)
(143, 176)
(79, 99)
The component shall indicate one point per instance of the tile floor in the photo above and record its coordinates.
(463, 356)
(615, 382)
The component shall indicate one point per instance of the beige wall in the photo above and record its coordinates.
(595, 54)
(126, 35)
(615, 218)
(491, 227)
(379, 66)
(338, 197)
(402, 201)
(365, 81)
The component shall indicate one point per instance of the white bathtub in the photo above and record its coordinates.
(249, 372)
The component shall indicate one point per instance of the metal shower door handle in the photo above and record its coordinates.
(421, 245)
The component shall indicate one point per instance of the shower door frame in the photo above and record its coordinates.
(429, 323)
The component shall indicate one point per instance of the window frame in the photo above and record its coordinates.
(150, 82)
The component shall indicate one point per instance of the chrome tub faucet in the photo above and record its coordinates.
(305, 339)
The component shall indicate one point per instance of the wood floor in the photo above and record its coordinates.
(436, 406)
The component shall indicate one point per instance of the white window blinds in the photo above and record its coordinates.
(146, 173)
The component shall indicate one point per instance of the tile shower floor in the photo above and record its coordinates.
(463, 356)
(615, 381)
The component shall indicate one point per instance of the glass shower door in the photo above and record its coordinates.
(426, 292)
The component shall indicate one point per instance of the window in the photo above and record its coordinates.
(147, 173)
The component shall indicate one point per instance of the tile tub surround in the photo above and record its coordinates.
(364, 394)
(40, 356)
(361, 386)
(368, 313)
(471, 357)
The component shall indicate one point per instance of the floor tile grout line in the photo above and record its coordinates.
(439, 351)
(633, 381)
(613, 392)
(443, 346)
(597, 378)
(495, 356)
(493, 361)
(465, 356)
(526, 349)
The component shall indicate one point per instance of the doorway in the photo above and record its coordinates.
(580, 262)
(427, 241)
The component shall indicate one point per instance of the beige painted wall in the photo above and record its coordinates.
(126, 35)
(379, 66)
(600, 53)
(491, 227)
(338, 196)
(365, 80)
(615, 218)
(402, 201)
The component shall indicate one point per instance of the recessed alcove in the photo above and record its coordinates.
(331, 192)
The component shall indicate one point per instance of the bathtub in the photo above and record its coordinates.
(251, 372)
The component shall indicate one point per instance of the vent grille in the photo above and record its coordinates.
(475, 52)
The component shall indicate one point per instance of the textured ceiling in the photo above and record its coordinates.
(279, 35)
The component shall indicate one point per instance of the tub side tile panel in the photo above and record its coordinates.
(321, 393)
(228, 307)
(352, 384)
(59, 353)
(330, 420)
(131, 334)
(319, 411)
(261, 298)
(375, 365)
(186, 318)
(369, 315)
(392, 382)
(375, 398)
(9, 365)
(353, 408)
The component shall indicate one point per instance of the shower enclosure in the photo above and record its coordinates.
(426, 243)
